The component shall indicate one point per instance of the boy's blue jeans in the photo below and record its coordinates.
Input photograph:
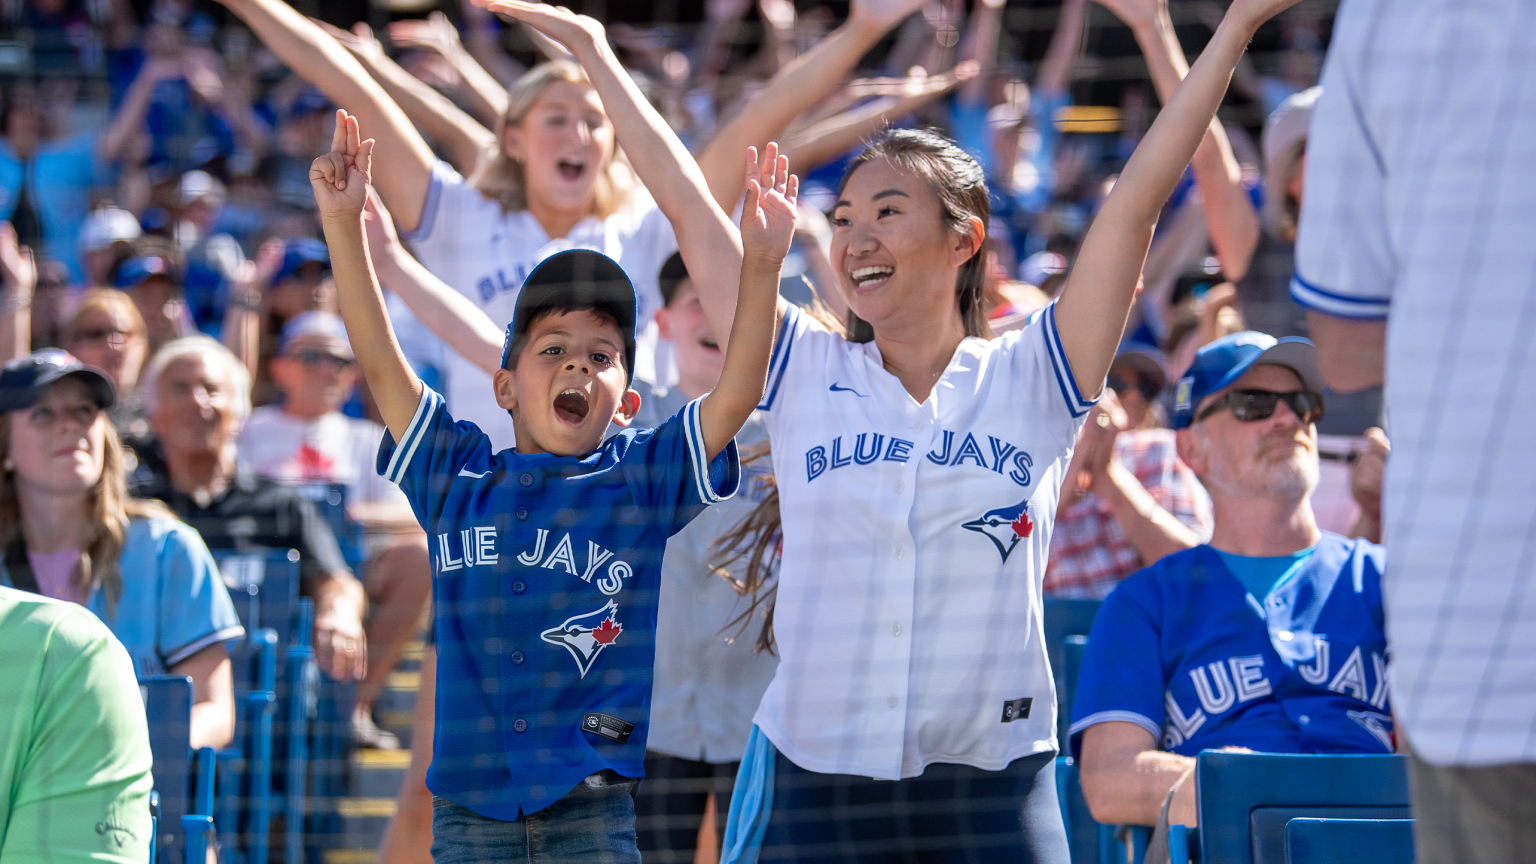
(593, 824)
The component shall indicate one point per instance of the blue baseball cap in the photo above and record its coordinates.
(25, 380)
(133, 272)
(1218, 365)
(576, 277)
(299, 251)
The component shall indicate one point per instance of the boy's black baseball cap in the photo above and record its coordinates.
(576, 278)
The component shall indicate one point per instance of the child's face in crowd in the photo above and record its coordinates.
(568, 386)
(699, 358)
(196, 406)
(58, 444)
(108, 340)
(891, 248)
(565, 143)
(316, 375)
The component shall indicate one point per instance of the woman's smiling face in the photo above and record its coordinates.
(894, 252)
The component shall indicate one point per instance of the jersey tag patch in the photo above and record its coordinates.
(607, 726)
(1016, 709)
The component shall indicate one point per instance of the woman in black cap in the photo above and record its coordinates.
(68, 530)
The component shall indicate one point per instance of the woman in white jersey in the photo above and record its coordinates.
(918, 466)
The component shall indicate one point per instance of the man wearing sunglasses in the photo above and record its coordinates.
(1268, 638)
(307, 441)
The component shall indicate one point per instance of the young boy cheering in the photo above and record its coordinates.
(548, 556)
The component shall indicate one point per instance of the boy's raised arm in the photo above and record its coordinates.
(340, 180)
(767, 227)
(708, 242)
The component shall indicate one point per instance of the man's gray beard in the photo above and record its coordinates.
(1291, 479)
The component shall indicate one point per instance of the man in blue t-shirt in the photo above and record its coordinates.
(1269, 638)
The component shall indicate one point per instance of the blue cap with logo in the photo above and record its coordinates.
(1218, 365)
(299, 251)
(576, 277)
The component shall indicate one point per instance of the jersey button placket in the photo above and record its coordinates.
(519, 725)
(518, 658)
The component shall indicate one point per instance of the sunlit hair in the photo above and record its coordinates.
(197, 346)
(752, 548)
(960, 184)
(501, 178)
(104, 300)
(109, 509)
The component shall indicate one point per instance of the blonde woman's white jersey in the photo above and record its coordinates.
(486, 253)
(915, 537)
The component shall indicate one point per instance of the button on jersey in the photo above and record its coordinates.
(546, 576)
(908, 609)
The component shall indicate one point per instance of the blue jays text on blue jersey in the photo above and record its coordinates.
(1184, 651)
(547, 573)
(865, 448)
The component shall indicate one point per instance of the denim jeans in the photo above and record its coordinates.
(592, 824)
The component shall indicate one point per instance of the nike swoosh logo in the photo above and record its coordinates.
(465, 472)
(838, 388)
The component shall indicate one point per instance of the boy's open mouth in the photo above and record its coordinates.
(571, 406)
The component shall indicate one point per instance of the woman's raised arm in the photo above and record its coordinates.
(405, 161)
(1092, 310)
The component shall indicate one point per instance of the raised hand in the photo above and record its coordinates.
(18, 272)
(573, 31)
(341, 177)
(359, 40)
(379, 229)
(434, 33)
(768, 214)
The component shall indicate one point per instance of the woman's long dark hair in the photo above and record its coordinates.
(960, 184)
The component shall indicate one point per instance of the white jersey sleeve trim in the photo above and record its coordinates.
(196, 645)
(693, 433)
(429, 207)
(1338, 305)
(1077, 406)
(1117, 717)
(406, 448)
(779, 359)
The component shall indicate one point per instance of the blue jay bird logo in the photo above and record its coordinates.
(1005, 526)
(585, 636)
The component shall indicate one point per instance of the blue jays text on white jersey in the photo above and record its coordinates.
(915, 534)
(486, 252)
(1184, 651)
(546, 576)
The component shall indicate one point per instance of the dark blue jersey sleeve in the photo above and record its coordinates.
(668, 473)
(434, 451)
(1122, 674)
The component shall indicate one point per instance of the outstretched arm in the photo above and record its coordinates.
(461, 138)
(484, 96)
(794, 89)
(451, 316)
(1092, 310)
(18, 278)
(341, 179)
(829, 138)
(708, 242)
(320, 60)
(1230, 216)
(767, 227)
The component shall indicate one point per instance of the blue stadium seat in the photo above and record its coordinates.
(184, 781)
(1064, 619)
(1338, 841)
(331, 500)
(1246, 800)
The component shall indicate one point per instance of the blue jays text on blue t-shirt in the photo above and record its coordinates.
(546, 576)
(1183, 650)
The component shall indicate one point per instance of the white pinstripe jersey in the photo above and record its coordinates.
(908, 610)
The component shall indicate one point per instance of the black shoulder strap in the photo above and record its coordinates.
(18, 567)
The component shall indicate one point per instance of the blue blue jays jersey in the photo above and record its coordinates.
(546, 576)
(1183, 650)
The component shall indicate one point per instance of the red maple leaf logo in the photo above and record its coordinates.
(1022, 526)
(608, 631)
(312, 464)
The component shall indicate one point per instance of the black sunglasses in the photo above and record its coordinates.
(1120, 383)
(310, 358)
(1248, 405)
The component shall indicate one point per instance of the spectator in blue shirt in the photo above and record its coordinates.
(69, 531)
(1268, 638)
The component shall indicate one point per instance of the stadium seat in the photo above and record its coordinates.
(1064, 619)
(331, 500)
(1247, 799)
(184, 781)
(1335, 841)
